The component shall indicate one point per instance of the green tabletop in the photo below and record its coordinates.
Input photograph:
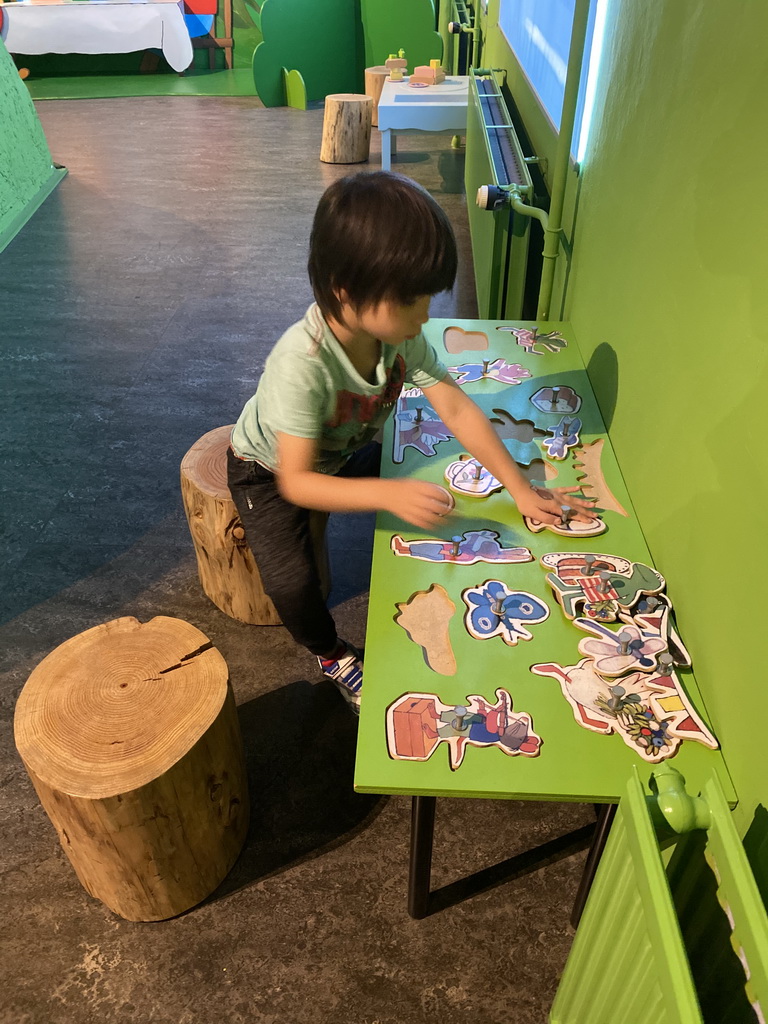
(573, 763)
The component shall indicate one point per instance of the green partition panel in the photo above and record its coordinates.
(391, 25)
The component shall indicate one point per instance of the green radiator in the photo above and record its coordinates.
(499, 237)
(650, 946)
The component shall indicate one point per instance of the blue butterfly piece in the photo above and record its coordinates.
(494, 610)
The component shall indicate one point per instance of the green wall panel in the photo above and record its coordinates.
(391, 25)
(27, 174)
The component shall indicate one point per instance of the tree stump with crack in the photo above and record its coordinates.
(225, 564)
(130, 735)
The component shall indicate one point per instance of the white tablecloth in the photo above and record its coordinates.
(98, 26)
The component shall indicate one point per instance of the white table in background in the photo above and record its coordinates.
(434, 108)
(98, 26)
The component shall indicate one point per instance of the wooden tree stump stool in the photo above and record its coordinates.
(130, 735)
(346, 128)
(375, 78)
(225, 564)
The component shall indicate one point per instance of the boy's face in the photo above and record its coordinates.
(391, 322)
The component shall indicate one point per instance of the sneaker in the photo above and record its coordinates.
(346, 671)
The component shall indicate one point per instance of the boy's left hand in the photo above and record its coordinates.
(545, 504)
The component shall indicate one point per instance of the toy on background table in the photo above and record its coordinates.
(397, 62)
(431, 74)
(470, 547)
(425, 617)
(495, 610)
(604, 585)
(651, 713)
(456, 339)
(559, 398)
(416, 425)
(417, 723)
(466, 476)
(497, 369)
(565, 436)
(538, 344)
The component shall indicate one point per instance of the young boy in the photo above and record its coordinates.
(380, 248)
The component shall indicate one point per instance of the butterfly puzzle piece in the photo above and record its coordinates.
(631, 649)
(470, 547)
(565, 436)
(495, 610)
(466, 476)
(651, 713)
(417, 723)
(538, 344)
(487, 369)
(417, 426)
(557, 399)
(604, 585)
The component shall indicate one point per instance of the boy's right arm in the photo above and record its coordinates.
(416, 501)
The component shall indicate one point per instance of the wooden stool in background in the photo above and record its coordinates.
(130, 735)
(225, 564)
(375, 78)
(346, 128)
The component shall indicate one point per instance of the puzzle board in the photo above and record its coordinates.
(571, 763)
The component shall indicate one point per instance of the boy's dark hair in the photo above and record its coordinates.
(379, 236)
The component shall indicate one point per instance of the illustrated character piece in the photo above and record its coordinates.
(603, 584)
(652, 714)
(494, 610)
(472, 546)
(532, 341)
(567, 526)
(417, 723)
(565, 435)
(557, 399)
(466, 476)
(632, 648)
(417, 427)
(497, 369)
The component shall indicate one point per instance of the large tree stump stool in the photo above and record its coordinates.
(375, 78)
(130, 735)
(346, 128)
(225, 564)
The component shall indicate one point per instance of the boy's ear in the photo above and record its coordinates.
(342, 295)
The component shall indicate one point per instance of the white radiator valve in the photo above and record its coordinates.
(491, 197)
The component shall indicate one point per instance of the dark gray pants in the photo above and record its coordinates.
(278, 534)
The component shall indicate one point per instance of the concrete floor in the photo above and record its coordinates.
(136, 310)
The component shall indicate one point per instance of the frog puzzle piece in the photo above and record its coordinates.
(417, 723)
(496, 369)
(495, 610)
(470, 547)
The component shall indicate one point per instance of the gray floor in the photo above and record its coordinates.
(136, 310)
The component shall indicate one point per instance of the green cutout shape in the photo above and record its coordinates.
(295, 89)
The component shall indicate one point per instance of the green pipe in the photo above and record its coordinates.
(562, 158)
(682, 812)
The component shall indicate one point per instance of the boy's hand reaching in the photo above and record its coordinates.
(417, 501)
(545, 504)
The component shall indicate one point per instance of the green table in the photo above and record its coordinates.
(573, 764)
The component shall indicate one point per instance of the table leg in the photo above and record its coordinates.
(605, 816)
(422, 833)
(386, 150)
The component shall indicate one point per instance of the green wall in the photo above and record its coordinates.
(27, 174)
(668, 294)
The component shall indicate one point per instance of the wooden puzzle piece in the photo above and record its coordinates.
(466, 476)
(425, 617)
(567, 526)
(417, 426)
(557, 399)
(565, 435)
(604, 584)
(497, 369)
(648, 614)
(417, 723)
(456, 339)
(631, 649)
(470, 547)
(652, 714)
(536, 343)
(495, 610)
(592, 481)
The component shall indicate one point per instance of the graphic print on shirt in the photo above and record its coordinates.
(354, 407)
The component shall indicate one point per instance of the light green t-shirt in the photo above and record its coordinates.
(309, 388)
